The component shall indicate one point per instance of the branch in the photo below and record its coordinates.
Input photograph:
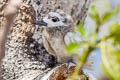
(60, 73)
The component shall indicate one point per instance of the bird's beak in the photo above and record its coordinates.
(40, 23)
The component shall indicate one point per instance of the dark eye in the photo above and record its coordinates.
(55, 19)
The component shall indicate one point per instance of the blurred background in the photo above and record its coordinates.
(103, 6)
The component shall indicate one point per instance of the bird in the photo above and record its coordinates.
(57, 33)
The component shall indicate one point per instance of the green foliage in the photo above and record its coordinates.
(107, 16)
(115, 32)
(111, 61)
(110, 55)
(81, 29)
(73, 47)
(104, 18)
(95, 15)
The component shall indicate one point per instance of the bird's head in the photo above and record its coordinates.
(55, 19)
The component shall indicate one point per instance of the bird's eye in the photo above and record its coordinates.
(55, 19)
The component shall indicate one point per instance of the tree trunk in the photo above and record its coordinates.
(25, 54)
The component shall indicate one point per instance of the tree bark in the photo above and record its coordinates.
(9, 13)
(25, 54)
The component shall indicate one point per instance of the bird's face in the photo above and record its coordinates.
(55, 19)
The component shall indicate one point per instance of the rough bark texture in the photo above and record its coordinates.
(10, 10)
(26, 58)
(60, 73)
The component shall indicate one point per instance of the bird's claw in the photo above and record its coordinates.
(68, 64)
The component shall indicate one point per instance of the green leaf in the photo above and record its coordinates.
(94, 10)
(81, 29)
(73, 47)
(107, 16)
(94, 37)
(115, 32)
(111, 61)
(115, 28)
(94, 14)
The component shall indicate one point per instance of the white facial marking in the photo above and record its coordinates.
(54, 19)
